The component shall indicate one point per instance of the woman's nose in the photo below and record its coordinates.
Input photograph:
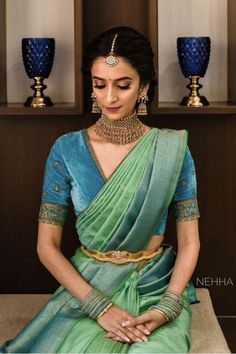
(111, 95)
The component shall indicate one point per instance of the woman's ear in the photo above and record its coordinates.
(142, 100)
(144, 88)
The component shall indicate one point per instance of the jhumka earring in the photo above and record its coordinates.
(142, 100)
(95, 106)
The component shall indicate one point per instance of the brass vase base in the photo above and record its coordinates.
(194, 99)
(198, 101)
(38, 100)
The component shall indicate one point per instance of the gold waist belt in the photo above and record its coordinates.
(120, 257)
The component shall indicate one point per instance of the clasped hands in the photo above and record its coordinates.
(123, 327)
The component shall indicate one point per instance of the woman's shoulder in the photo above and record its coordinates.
(69, 143)
(70, 139)
(173, 135)
(173, 131)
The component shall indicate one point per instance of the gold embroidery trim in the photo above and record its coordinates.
(52, 214)
(186, 210)
(94, 156)
(120, 257)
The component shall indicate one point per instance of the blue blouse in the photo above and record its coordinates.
(72, 172)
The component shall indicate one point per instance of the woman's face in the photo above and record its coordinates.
(116, 88)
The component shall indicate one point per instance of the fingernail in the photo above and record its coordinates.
(125, 323)
(146, 331)
(138, 340)
(145, 339)
(127, 339)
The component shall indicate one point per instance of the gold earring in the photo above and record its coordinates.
(95, 106)
(142, 100)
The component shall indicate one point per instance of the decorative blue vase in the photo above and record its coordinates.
(194, 55)
(38, 56)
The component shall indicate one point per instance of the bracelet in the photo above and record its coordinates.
(175, 293)
(160, 311)
(105, 310)
(94, 303)
(170, 307)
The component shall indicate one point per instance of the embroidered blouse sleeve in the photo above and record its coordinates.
(184, 203)
(56, 188)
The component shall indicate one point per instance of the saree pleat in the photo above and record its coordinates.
(90, 337)
(158, 191)
(122, 215)
(112, 198)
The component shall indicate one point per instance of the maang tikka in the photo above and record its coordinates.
(111, 60)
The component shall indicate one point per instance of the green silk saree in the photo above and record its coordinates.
(122, 216)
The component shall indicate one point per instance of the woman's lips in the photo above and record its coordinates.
(112, 109)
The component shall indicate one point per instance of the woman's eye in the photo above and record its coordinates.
(124, 87)
(99, 86)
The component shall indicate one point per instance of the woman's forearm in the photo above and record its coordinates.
(49, 252)
(64, 272)
(188, 250)
(184, 267)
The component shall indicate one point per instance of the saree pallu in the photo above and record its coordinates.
(122, 216)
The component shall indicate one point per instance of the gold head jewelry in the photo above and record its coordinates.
(111, 60)
(121, 131)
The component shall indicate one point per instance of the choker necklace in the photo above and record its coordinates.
(121, 131)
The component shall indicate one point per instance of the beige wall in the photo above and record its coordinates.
(192, 18)
(43, 18)
(55, 18)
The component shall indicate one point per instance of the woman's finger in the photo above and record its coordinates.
(123, 335)
(134, 334)
(112, 335)
(118, 339)
(135, 321)
(139, 336)
(143, 329)
(112, 322)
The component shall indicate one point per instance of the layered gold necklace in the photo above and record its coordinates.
(121, 131)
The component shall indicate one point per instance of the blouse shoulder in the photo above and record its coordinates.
(68, 144)
(57, 179)
(69, 138)
(185, 198)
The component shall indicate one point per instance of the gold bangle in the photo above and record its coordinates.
(105, 310)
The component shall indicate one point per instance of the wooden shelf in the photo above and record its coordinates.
(213, 108)
(70, 109)
(18, 109)
(93, 17)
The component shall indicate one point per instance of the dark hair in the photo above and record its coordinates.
(131, 45)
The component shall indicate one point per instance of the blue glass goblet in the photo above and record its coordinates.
(38, 56)
(194, 55)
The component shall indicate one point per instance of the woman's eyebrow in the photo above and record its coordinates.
(119, 79)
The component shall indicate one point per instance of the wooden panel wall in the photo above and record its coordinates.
(3, 88)
(100, 15)
(24, 145)
(231, 51)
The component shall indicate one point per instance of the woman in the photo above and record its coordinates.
(124, 290)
